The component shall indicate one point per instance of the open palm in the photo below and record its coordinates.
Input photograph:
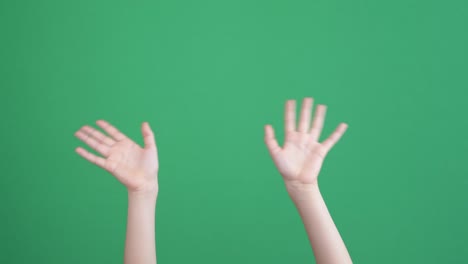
(132, 165)
(302, 155)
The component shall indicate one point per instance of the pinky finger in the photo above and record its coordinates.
(335, 136)
(91, 157)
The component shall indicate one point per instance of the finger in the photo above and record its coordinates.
(98, 135)
(148, 135)
(270, 140)
(317, 125)
(93, 143)
(290, 116)
(304, 121)
(335, 136)
(111, 130)
(91, 157)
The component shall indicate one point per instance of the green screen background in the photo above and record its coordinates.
(208, 75)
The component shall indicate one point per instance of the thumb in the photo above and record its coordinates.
(270, 140)
(148, 135)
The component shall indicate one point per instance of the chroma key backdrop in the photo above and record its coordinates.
(208, 75)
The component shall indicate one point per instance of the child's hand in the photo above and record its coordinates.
(133, 166)
(300, 159)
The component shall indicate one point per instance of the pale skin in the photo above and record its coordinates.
(137, 169)
(299, 161)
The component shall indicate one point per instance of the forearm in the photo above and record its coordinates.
(327, 244)
(140, 245)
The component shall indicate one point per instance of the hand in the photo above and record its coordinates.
(133, 166)
(300, 159)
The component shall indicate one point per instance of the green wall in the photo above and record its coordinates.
(208, 75)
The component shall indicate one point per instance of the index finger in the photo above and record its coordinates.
(111, 130)
(290, 116)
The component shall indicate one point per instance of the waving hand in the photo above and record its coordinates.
(134, 166)
(301, 157)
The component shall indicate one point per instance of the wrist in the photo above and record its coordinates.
(142, 200)
(300, 191)
(143, 185)
(149, 192)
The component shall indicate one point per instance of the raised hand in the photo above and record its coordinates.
(300, 159)
(132, 165)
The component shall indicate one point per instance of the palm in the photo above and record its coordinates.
(302, 156)
(132, 165)
(298, 160)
